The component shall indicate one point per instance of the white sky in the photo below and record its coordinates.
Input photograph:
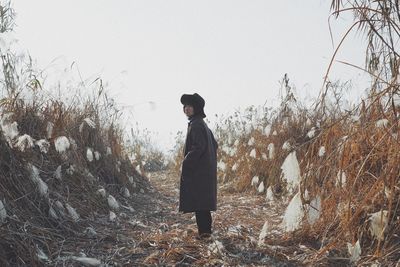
(233, 53)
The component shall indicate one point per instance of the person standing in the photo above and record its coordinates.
(198, 183)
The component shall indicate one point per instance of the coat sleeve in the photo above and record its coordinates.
(198, 140)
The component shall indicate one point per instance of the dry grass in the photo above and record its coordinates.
(37, 205)
(363, 144)
(29, 224)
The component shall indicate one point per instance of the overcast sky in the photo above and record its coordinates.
(233, 53)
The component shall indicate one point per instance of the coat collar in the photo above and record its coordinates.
(195, 118)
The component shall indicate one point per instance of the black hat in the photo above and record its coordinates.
(196, 101)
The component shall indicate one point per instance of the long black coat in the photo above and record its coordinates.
(198, 186)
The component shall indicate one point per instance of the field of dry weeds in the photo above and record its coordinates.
(314, 186)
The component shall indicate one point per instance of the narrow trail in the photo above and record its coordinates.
(153, 233)
(162, 236)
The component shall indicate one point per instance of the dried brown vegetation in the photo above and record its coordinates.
(60, 163)
(348, 158)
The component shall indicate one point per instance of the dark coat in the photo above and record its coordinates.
(198, 186)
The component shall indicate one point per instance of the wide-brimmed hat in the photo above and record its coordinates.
(196, 101)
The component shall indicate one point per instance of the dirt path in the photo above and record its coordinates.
(166, 237)
(155, 234)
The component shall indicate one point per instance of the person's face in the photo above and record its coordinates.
(189, 111)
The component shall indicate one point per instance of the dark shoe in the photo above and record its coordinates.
(204, 236)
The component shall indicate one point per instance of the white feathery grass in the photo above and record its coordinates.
(311, 133)
(6, 118)
(81, 126)
(267, 130)
(10, 129)
(97, 155)
(261, 188)
(61, 144)
(263, 234)
(341, 179)
(264, 156)
(253, 153)
(41, 255)
(293, 215)
(396, 97)
(43, 188)
(87, 261)
(271, 151)
(34, 172)
(43, 145)
(378, 224)
(228, 149)
(354, 251)
(3, 212)
(255, 181)
(25, 142)
(321, 151)
(58, 173)
(387, 192)
(382, 123)
(89, 154)
(269, 197)
(251, 141)
(126, 192)
(112, 216)
(112, 202)
(291, 171)
(138, 169)
(286, 146)
(102, 192)
(60, 207)
(221, 165)
(234, 167)
(53, 213)
(35, 177)
(118, 167)
(314, 210)
(72, 212)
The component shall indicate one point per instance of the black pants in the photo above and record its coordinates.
(204, 221)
